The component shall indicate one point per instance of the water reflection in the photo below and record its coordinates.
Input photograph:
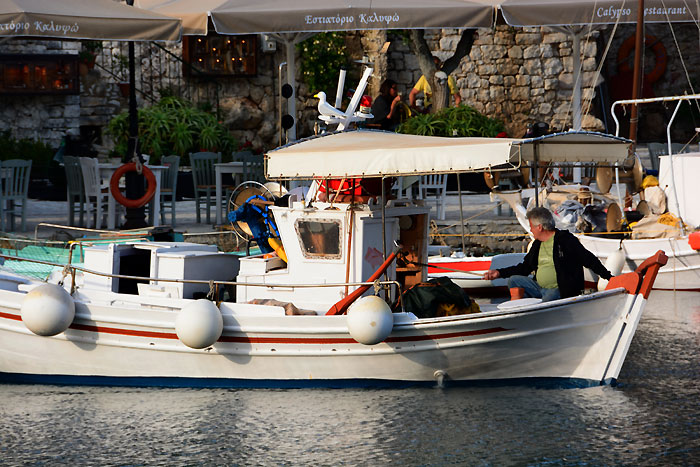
(650, 418)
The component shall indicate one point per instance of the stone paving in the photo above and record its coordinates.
(484, 221)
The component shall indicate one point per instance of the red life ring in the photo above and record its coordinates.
(659, 52)
(132, 203)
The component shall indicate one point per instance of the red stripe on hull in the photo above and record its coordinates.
(267, 340)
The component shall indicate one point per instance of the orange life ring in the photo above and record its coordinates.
(123, 200)
(659, 52)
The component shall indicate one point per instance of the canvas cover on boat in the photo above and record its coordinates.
(366, 153)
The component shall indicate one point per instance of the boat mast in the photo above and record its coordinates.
(636, 80)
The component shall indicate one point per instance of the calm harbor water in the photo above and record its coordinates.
(651, 418)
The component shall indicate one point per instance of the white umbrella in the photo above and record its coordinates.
(272, 16)
(84, 19)
(586, 12)
(194, 14)
(89, 19)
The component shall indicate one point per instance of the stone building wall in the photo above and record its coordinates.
(247, 105)
(519, 75)
(40, 117)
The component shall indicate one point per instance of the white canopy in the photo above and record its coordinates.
(194, 14)
(273, 16)
(84, 19)
(588, 12)
(365, 153)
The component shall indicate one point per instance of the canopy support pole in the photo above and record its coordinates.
(575, 33)
(383, 222)
(290, 40)
(535, 156)
(461, 211)
(637, 75)
(135, 217)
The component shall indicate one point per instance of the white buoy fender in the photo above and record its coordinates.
(48, 310)
(614, 264)
(199, 324)
(370, 320)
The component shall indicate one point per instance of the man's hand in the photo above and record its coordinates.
(492, 274)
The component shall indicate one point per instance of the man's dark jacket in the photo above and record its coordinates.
(570, 257)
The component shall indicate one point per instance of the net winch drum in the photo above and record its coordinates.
(242, 193)
(613, 220)
(521, 175)
(604, 177)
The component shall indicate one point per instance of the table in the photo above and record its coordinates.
(233, 168)
(106, 171)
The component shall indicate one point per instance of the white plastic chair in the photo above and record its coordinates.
(96, 192)
(434, 188)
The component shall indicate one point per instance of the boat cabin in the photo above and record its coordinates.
(324, 244)
(334, 244)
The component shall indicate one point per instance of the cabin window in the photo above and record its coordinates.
(319, 238)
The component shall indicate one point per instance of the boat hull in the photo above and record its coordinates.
(575, 341)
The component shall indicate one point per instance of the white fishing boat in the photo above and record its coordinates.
(624, 253)
(677, 179)
(181, 314)
(468, 271)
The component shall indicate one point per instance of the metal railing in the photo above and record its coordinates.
(158, 71)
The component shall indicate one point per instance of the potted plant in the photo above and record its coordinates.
(120, 62)
(88, 55)
(173, 126)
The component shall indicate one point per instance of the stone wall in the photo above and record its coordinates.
(40, 117)
(247, 105)
(519, 75)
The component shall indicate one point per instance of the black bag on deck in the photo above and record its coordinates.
(437, 297)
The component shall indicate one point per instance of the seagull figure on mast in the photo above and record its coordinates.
(324, 108)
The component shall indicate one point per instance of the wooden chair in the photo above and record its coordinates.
(75, 191)
(96, 192)
(14, 190)
(253, 166)
(204, 178)
(168, 187)
(434, 188)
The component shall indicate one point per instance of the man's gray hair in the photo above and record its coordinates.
(541, 216)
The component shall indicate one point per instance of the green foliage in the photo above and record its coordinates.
(38, 152)
(121, 63)
(462, 120)
(89, 51)
(323, 55)
(172, 126)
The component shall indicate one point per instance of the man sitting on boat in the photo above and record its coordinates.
(556, 257)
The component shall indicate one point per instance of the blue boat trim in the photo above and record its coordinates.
(178, 382)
